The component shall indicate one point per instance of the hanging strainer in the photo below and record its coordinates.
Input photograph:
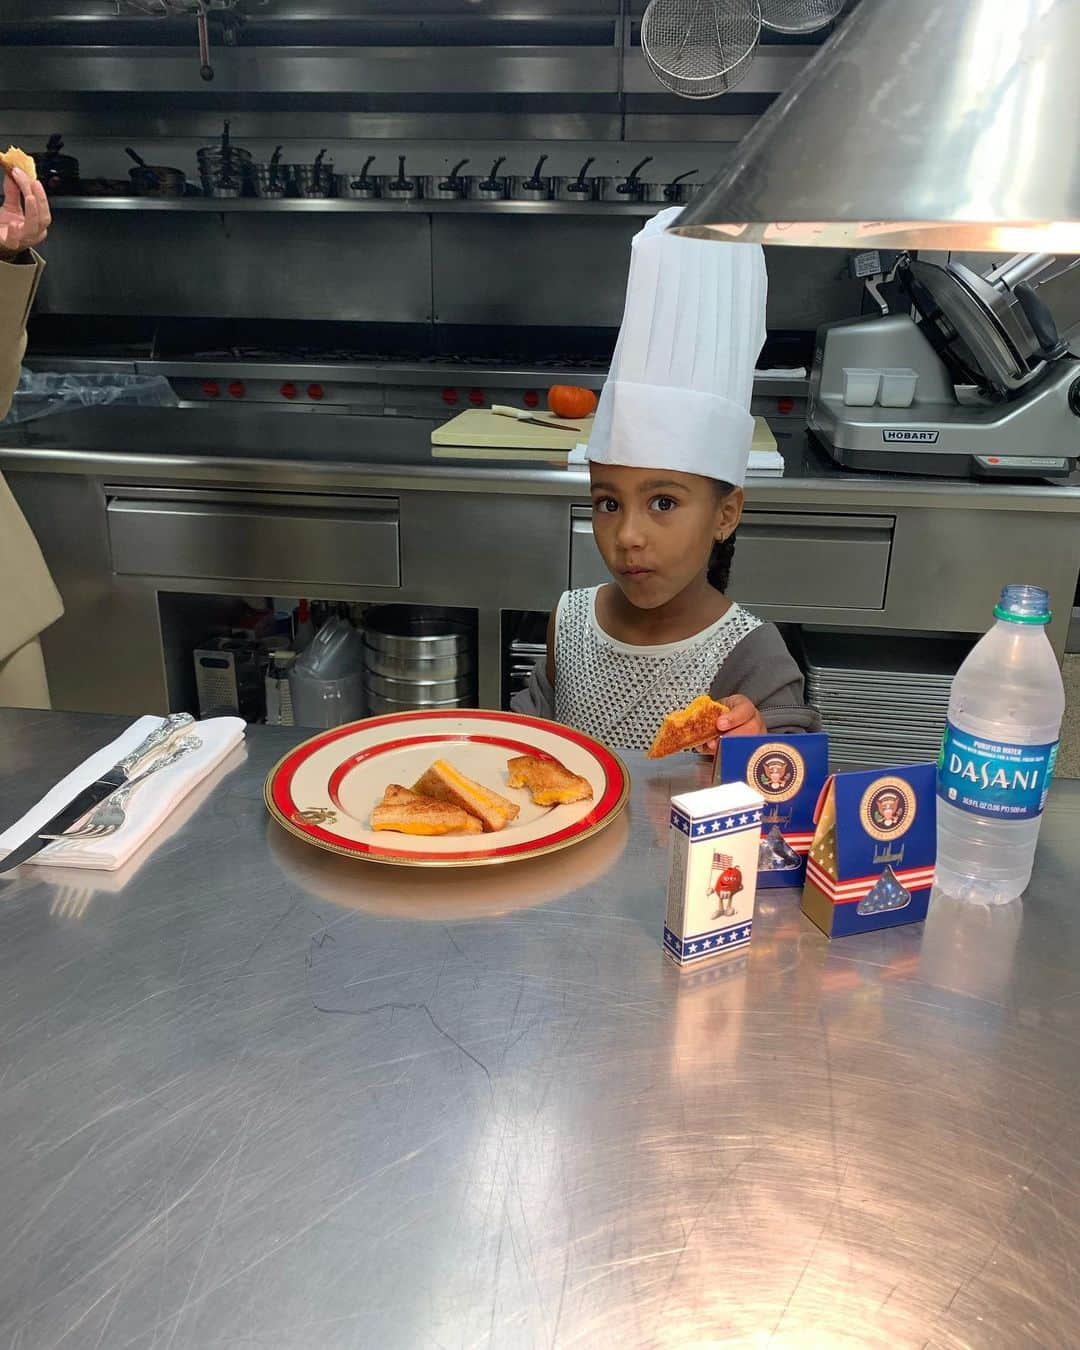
(700, 48)
(799, 16)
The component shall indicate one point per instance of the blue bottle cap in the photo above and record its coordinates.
(1023, 604)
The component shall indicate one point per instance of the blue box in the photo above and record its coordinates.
(871, 864)
(789, 772)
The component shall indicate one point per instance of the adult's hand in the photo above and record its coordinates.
(24, 217)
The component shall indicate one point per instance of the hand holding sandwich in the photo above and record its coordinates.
(25, 216)
(741, 719)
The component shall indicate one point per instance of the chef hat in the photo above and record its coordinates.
(678, 392)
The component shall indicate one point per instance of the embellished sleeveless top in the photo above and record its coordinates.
(620, 693)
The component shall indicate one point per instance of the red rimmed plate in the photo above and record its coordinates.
(324, 790)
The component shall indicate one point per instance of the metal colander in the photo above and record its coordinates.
(700, 48)
(799, 16)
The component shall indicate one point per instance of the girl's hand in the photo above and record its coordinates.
(741, 719)
(24, 216)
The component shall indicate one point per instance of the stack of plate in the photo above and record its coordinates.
(418, 657)
(883, 699)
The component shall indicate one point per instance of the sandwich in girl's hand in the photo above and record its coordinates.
(667, 457)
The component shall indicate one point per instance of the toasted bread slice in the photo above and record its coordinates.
(408, 813)
(445, 783)
(690, 726)
(551, 783)
(14, 158)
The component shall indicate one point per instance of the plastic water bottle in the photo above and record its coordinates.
(998, 754)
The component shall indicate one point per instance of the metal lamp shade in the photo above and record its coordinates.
(918, 125)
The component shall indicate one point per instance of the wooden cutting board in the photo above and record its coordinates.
(481, 434)
(479, 428)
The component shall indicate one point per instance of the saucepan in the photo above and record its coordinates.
(447, 187)
(360, 187)
(534, 188)
(626, 189)
(492, 188)
(401, 188)
(669, 194)
(580, 188)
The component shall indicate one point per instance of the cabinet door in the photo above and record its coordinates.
(782, 559)
(303, 539)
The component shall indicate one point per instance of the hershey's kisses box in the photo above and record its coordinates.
(789, 772)
(871, 864)
(712, 879)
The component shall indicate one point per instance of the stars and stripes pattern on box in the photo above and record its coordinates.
(858, 888)
(708, 944)
(713, 826)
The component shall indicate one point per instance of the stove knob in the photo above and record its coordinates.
(785, 406)
(450, 396)
(236, 389)
(476, 398)
(315, 391)
(288, 390)
(211, 388)
(531, 398)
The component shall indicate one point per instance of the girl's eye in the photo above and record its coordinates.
(605, 505)
(664, 504)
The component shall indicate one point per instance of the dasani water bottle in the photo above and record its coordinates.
(998, 754)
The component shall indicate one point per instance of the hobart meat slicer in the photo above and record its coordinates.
(997, 392)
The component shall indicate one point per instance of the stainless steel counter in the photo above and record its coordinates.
(254, 1095)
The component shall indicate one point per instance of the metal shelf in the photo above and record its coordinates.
(61, 202)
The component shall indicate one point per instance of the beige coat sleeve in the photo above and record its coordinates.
(18, 286)
(29, 601)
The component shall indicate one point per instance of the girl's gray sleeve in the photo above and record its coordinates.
(764, 671)
(537, 699)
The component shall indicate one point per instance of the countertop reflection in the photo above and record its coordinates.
(251, 1094)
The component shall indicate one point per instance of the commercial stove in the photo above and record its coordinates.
(367, 370)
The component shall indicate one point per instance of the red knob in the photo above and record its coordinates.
(211, 388)
(288, 390)
(476, 397)
(315, 391)
(450, 396)
(785, 405)
(236, 389)
(531, 398)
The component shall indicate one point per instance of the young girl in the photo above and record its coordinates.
(667, 454)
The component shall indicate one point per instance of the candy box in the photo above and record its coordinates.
(789, 772)
(871, 864)
(712, 879)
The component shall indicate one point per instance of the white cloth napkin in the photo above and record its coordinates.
(149, 806)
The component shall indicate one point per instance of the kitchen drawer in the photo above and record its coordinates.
(789, 559)
(300, 539)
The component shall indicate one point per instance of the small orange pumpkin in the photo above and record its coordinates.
(568, 400)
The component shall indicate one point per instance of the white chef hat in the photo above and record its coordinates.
(678, 392)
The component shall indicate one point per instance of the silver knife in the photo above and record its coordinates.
(104, 787)
(520, 415)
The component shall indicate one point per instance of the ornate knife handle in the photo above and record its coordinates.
(159, 737)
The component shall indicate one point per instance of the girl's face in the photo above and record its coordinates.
(656, 528)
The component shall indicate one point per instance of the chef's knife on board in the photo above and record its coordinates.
(504, 410)
(103, 787)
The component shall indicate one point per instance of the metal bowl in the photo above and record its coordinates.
(385, 707)
(425, 669)
(417, 632)
(421, 693)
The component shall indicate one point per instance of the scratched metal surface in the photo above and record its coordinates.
(251, 1095)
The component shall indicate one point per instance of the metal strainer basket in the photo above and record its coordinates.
(700, 48)
(799, 16)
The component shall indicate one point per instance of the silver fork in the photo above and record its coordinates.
(107, 817)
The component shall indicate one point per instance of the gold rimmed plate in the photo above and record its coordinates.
(324, 790)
